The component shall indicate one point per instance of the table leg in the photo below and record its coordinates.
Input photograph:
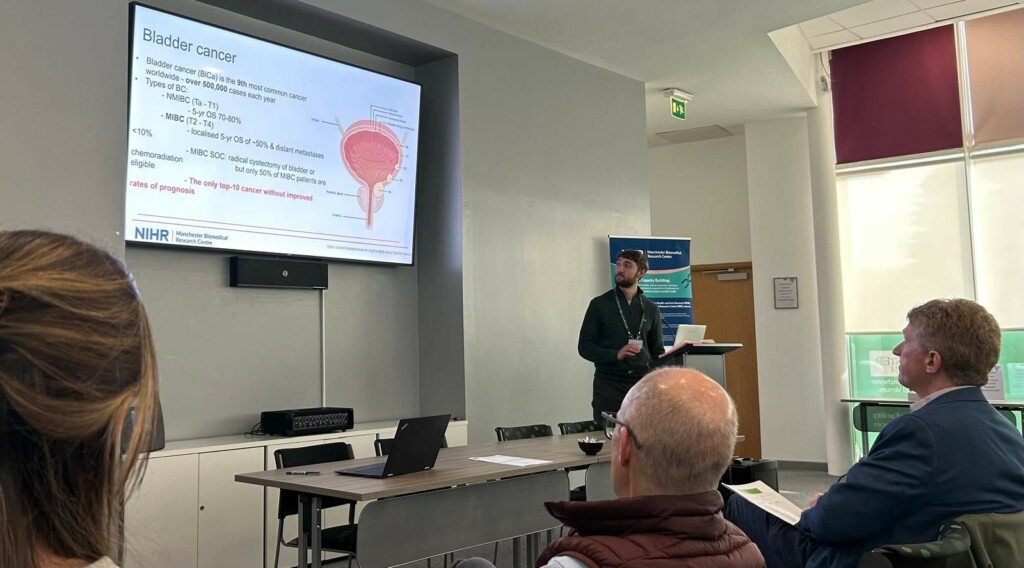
(516, 561)
(315, 529)
(303, 545)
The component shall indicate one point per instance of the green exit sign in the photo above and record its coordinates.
(678, 108)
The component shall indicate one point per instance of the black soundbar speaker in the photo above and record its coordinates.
(275, 273)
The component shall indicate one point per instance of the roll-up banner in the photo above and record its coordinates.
(667, 282)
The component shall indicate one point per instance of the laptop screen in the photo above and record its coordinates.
(689, 332)
(416, 444)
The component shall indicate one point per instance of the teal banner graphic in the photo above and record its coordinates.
(667, 282)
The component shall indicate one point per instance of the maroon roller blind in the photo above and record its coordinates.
(995, 65)
(896, 96)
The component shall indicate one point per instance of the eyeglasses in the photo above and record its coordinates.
(611, 421)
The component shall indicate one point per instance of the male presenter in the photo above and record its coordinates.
(621, 334)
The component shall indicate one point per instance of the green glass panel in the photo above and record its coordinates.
(874, 370)
(1011, 358)
(873, 367)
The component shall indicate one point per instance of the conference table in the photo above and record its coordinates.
(460, 503)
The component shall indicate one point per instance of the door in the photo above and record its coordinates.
(723, 299)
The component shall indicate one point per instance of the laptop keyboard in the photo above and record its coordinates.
(372, 469)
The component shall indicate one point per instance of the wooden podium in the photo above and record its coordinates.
(708, 358)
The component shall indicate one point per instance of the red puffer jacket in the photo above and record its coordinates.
(654, 531)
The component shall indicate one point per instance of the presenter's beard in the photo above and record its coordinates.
(623, 282)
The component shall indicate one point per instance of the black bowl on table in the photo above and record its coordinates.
(590, 447)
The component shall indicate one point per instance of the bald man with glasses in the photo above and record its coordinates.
(671, 441)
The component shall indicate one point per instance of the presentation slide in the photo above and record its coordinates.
(239, 144)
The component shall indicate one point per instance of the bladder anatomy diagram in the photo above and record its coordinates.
(372, 154)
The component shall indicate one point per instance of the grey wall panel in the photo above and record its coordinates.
(439, 244)
(63, 97)
(372, 352)
(225, 353)
(548, 171)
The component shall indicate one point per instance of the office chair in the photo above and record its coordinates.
(341, 538)
(580, 427)
(951, 550)
(506, 433)
(997, 539)
(579, 493)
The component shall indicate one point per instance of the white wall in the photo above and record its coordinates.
(782, 244)
(835, 380)
(699, 190)
(749, 198)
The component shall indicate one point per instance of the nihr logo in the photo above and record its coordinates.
(150, 234)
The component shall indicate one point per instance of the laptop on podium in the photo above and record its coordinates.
(689, 332)
(415, 448)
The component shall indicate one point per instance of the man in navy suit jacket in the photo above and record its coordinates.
(952, 455)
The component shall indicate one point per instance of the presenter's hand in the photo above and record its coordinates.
(628, 350)
(814, 500)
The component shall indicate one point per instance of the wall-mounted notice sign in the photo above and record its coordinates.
(786, 293)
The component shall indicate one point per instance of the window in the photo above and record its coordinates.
(904, 240)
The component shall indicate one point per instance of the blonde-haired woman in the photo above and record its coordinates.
(76, 355)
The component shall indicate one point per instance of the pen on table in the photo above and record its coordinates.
(302, 473)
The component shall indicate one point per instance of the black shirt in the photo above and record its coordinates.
(603, 334)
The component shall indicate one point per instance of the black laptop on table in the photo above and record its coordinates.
(415, 448)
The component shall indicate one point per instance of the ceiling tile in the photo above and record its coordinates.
(819, 26)
(965, 7)
(873, 12)
(836, 38)
(925, 4)
(897, 24)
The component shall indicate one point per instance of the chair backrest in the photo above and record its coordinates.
(951, 550)
(582, 426)
(288, 502)
(382, 446)
(873, 417)
(996, 539)
(522, 432)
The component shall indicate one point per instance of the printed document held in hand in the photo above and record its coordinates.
(768, 499)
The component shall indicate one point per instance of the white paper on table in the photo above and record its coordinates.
(768, 499)
(510, 460)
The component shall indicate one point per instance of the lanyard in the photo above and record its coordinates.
(622, 315)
